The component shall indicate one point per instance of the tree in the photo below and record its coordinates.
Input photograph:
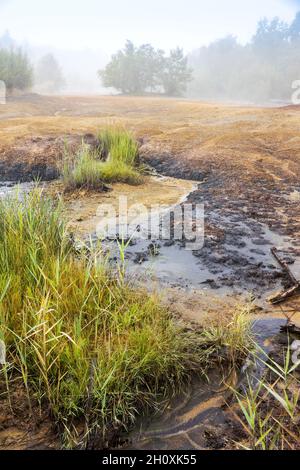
(215, 68)
(175, 73)
(121, 72)
(270, 35)
(137, 70)
(15, 69)
(48, 74)
(262, 70)
(131, 70)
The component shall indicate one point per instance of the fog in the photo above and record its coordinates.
(217, 37)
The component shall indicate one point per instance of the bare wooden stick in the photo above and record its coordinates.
(284, 266)
(291, 329)
(282, 296)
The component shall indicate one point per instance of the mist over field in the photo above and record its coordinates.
(232, 51)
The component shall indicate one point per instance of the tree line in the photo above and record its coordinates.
(15, 69)
(139, 70)
(18, 73)
(262, 70)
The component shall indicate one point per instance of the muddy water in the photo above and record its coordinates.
(10, 187)
(200, 417)
(236, 258)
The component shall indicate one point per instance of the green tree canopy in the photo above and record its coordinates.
(137, 70)
(15, 69)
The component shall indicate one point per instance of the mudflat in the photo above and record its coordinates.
(244, 159)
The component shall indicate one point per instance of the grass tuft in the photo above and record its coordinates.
(269, 406)
(87, 168)
(118, 145)
(86, 346)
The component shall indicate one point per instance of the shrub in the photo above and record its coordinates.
(15, 69)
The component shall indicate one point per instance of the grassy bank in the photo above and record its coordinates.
(116, 160)
(81, 343)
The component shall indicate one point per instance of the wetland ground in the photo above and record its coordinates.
(242, 163)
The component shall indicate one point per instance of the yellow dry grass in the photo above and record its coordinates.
(194, 131)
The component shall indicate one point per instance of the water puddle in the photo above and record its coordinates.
(200, 418)
(9, 187)
(236, 260)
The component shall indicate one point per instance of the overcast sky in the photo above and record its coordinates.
(106, 24)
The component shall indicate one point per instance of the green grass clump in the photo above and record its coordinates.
(119, 172)
(119, 146)
(86, 346)
(86, 168)
(234, 333)
(83, 170)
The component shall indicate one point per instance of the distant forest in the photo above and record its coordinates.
(18, 72)
(262, 70)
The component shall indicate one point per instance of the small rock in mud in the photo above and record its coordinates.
(257, 251)
(169, 243)
(140, 258)
(260, 241)
(212, 283)
(153, 249)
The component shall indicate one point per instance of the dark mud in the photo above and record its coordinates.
(39, 158)
(245, 217)
(236, 256)
(166, 165)
(240, 233)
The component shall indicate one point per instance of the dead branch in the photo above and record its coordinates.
(283, 296)
(295, 289)
(284, 266)
(290, 329)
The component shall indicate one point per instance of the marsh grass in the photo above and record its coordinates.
(87, 168)
(86, 346)
(230, 337)
(269, 408)
(82, 170)
(118, 145)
